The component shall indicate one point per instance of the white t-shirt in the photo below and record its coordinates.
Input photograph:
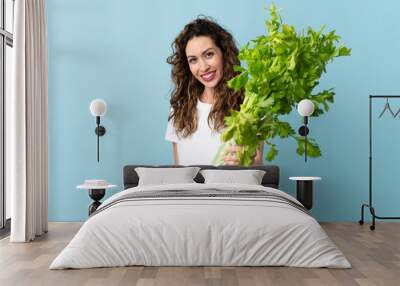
(200, 147)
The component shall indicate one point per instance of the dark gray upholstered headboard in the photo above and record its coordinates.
(270, 179)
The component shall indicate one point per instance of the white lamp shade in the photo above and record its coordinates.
(305, 107)
(98, 107)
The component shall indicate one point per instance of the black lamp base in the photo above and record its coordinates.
(100, 130)
(303, 130)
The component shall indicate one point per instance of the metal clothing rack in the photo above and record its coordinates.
(370, 205)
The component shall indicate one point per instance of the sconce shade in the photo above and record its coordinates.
(305, 107)
(98, 107)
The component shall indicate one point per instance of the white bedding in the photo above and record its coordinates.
(200, 231)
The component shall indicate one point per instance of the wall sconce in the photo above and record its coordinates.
(98, 108)
(305, 109)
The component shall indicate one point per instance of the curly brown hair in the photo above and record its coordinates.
(187, 89)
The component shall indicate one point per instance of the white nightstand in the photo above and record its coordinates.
(304, 190)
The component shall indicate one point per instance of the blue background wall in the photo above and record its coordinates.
(117, 50)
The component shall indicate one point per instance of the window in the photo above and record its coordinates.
(6, 61)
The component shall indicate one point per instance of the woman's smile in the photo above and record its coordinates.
(209, 76)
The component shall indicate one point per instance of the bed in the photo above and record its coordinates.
(201, 224)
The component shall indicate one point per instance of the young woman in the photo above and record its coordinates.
(203, 58)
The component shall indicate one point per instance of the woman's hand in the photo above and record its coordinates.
(232, 159)
(231, 156)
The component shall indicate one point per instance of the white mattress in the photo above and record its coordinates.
(200, 231)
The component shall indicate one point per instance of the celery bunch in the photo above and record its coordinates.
(282, 68)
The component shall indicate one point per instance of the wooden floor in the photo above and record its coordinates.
(375, 257)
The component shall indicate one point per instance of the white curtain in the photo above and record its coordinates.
(27, 123)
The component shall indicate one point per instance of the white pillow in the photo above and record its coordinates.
(164, 176)
(248, 177)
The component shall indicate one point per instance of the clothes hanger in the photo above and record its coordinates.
(398, 112)
(387, 107)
